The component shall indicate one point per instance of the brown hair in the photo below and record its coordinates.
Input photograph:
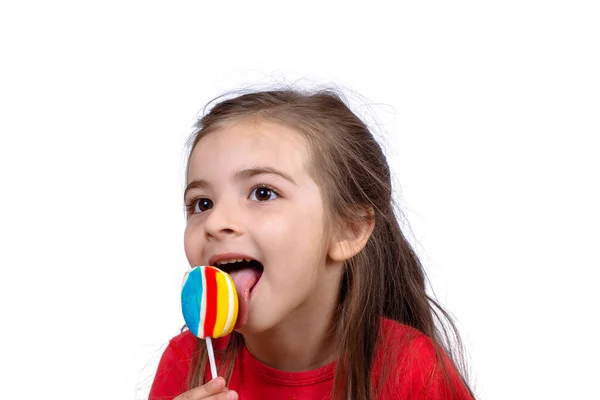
(352, 171)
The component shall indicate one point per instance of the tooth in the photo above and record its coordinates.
(232, 261)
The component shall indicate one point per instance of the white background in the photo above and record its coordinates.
(490, 112)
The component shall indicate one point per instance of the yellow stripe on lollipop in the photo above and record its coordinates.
(222, 300)
(232, 310)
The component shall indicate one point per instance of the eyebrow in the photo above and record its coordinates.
(240, 176)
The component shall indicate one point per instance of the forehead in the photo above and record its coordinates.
(248, 144)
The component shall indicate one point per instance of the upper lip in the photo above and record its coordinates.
(228, 256)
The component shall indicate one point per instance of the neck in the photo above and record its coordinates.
(306, 349)
(303, 342)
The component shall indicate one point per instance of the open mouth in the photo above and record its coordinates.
(231, 266)
(244, 272)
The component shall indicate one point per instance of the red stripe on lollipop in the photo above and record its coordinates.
(211, 301)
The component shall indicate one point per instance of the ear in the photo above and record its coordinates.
(350, 240)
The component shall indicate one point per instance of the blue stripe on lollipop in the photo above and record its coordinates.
(191, 297)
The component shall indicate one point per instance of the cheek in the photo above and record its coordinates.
(296, 237)
(190, 240)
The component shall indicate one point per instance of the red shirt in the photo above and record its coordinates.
(406, 357)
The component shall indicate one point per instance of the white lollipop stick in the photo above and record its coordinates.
(211, 358)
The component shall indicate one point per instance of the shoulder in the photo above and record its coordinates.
(409, 365)
(173, 369)
(182, 345)
(175, 364)
(406, 341)
(403, 347)
(393, 331)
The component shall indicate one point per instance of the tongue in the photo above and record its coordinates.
(244, 280)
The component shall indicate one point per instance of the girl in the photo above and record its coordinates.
(291, 194)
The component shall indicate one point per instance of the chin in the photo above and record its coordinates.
(255, 327)
(251, 329)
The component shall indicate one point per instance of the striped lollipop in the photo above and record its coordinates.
(210, 305)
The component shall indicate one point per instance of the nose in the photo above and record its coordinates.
(223, 221)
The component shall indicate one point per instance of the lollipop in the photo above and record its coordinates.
(210, 306)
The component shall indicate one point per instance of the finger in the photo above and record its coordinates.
(215, 386)
(226, 395)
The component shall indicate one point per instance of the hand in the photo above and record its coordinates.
(213, 390)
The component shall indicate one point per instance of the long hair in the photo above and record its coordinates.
(386, 278)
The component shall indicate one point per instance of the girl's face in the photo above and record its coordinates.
(251, 195)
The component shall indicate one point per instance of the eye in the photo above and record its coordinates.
(263, 193)
(198, 206)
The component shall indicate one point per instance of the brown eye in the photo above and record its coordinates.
(203, 205)
(262, 193)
